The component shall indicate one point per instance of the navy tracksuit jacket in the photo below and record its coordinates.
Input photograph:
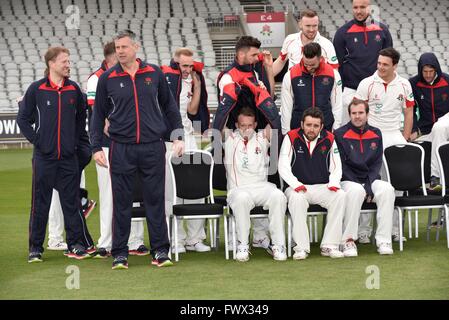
(432, 100)
(312, 91)
(361, 153)
(53, 119)
(137, 108)
(357, 44)
(311, 168)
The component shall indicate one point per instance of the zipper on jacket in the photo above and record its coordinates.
(361, 143)
(313, 91)
(433, 105)
(366, 35)
(136, 102)
(59, 124)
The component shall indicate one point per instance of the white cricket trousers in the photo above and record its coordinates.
(383, 197)
(389, 138)
(298, 203)
(195, 228)
(136, 236)
(438, 135)
(56, 217)
(243, 199)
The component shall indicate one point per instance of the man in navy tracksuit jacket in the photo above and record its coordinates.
(361, 151)
(431, 91)
(56, 107)
(357, 44)
(136, 99)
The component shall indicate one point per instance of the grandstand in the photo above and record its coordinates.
(28, 27)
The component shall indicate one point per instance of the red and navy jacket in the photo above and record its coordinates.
(135, 106)
(312, 91)
(361, 153)
(236, 95)
(431, 100)
(311, 168)
(174, 79)
(357, 44)
(53, 118)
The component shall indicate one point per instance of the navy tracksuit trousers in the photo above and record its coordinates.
(125, 161)
(63, 176)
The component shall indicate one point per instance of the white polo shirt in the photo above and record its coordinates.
(185, 98)
(292, 49)
(386, 101)
(246, 163)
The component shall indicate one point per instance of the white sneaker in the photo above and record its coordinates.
(198, 247)
(396, 238)
(279, 253)
(384, 248)
(350, 249)
(242, 253)
(364, 239)
(300, 255)
(57, 246)
(181, 248)
(331, 252)
(261, 243)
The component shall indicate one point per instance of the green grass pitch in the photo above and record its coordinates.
(419, 272)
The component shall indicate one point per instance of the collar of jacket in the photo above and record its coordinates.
(141, 65)
(358, 130)
(317, 72)
(243, 67)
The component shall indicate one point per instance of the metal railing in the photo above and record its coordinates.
(223, 21)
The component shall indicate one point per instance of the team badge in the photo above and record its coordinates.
(401, 97)
(323, 149)
(72, 101)
(257, 151)
(122, 85)
(355, 40)
(373, 146)
(48, 103)
(444, 96)
(148, 81)
(325, 81)
(378, 38)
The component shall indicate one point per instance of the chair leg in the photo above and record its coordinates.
(234, 240)
(315, 224)
(416, 224)
(289, 236)
(373, 237)
(446, 220)
(175, 224)
(410, 226)
(310, 229)
(225, 225)
(401, 245)
(429, 223)
(211, 233)
(440, 216)
(217, 233)
(170, 236)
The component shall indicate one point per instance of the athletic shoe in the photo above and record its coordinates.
(435, 224)
(88, 208)
(34, 257)
(78, 253)
(161, 259)
(140, 251)
(300, 255)
(91, 250)
(198, 247)
(120, 262)
(102, 253)
(350, 249)
(331, 252)
(279, 253)
(242, 253)
(55, 245)
(261, 243)
(435, 184)
(384, 248)
(396, 238)
(66, 252)
(181, 248)
(364, 239)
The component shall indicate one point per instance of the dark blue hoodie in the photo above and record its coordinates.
(432, 100)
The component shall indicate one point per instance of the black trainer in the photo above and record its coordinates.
(161, 259)
(35, 257)
(78, 252)
(102, 253)
(120, 262)
(140, 251)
